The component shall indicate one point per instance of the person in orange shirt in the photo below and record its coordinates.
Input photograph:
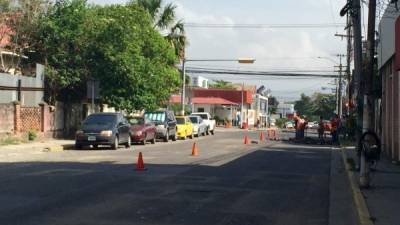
(334, 130)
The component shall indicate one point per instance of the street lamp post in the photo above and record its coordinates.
(240, 60)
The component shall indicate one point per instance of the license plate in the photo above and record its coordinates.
(91, 138)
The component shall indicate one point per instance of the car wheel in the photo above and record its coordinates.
(78, 146)
(144, 139)
(153, 141)
(212, 132)
(129, 143)
(174, 138)
(115, 144)
(207, 133)
(166, 137)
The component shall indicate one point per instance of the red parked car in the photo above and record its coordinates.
(142, 130)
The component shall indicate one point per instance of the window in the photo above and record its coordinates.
(200, 109)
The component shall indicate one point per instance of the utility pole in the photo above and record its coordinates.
(183, 87)
(368, 123)
(348, 61)
(340, 104)
(356, 13)
(367, 91)
(354, 8)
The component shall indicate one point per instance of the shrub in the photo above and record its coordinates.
(32, 135)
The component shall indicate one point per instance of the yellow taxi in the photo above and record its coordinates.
(184, 127)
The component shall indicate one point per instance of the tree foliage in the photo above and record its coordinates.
(163, 17)
(222, 84)
(116, 45)
(317, 105)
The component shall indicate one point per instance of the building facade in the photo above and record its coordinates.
(199, 81)
(389, 65)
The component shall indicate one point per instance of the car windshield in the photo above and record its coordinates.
(203, 116)
(193, 119)
(180, 120)
(155, 116)
(136, 121)
(99, 121)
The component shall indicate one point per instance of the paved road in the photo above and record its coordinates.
(228, 183)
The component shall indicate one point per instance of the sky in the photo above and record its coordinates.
(275, 49)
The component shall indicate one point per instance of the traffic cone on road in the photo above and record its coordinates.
(262, 136)
(140, 163)
(246, 140)
(194, 149)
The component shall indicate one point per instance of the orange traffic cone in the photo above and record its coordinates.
(194, 149)
(262, 136)
(246, 140)
(140, 163)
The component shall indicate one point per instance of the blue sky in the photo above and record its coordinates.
(274, 49)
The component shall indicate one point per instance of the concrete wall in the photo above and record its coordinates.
(6, 118)
(386, 30)
(28, 98)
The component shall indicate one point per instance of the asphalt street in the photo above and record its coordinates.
(228, 183)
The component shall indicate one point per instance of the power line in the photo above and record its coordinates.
(263, 26)
(260, 73)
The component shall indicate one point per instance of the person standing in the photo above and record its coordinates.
(334, 130)
(321, 130)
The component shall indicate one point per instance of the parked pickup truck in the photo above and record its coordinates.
(208, 120)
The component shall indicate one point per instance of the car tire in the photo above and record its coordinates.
(78, 146)
(153, 141)
(212, 132)
(129, 143)
(166, 137)
(144, 140)
(174, 138)
(115, 145)
(207, 132)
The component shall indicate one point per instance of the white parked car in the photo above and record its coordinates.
(208, 120)
(199, 126)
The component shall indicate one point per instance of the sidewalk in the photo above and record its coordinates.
(35, 147)
(383, 197)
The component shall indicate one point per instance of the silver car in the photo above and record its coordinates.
(199, 126)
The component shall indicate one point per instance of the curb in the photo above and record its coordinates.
(364, 215)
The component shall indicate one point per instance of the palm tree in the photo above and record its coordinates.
(164, 19)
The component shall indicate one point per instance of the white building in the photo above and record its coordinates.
(285, 109)
(199, 81)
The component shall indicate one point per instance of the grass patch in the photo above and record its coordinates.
(10, 141)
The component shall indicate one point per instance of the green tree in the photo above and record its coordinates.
(164, 18)
(222, 84)
(324, 104)
(304, 106)
(116, 45)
